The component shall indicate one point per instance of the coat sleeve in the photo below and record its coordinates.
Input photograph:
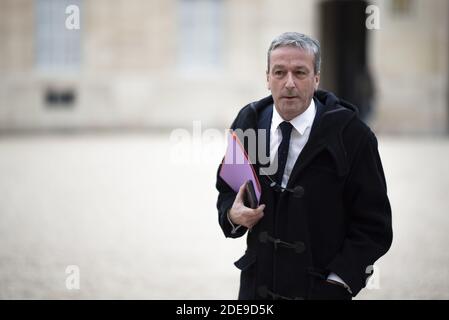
(226, 197)
(369, 234)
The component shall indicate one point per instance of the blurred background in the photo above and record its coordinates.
(93, 176)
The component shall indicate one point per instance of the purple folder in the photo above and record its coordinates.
(236, 168)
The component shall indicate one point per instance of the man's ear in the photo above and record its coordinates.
(268, 80)
(317, 81)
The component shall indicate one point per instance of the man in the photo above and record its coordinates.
(324, 217)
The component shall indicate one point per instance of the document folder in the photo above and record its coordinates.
(236, 168)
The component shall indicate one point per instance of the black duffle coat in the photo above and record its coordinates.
(340, 223)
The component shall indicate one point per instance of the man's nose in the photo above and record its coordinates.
(290, 84)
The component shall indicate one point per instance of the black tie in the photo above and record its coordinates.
(286, 129)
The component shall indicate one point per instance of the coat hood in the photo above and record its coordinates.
(331, 101)
(332, 117)
(326, 102)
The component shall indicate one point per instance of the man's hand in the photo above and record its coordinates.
(239, 214)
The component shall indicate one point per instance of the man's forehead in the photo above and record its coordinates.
(294, 64)
(291, 55)
(291, 52)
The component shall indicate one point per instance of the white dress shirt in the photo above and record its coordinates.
(298, 139)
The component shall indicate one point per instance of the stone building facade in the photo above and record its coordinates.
(166, 63)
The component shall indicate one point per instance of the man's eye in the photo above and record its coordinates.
(278, 73)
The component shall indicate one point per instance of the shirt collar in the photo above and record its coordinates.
(300, 122)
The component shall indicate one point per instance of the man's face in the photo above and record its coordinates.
(292, 80)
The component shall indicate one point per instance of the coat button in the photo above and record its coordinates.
(298, 191)
(300, 247)
(262, 291)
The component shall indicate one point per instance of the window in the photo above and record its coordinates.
(201, 34)
(56, 47)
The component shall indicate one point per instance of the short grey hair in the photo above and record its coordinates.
(299, 40)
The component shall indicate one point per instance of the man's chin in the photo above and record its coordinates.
(290, 110)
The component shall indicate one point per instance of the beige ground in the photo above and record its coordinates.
(140, 225)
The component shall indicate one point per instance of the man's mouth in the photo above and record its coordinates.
(290, 97)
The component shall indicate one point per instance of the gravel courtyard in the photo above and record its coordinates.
(140, 223)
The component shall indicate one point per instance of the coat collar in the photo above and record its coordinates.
(326, 134)
(300, 122)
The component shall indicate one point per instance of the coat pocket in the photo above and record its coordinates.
(247, 265)
(323, 290)
(320, 289)
(246, 261)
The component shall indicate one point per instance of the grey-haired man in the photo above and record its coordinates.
(324, 216)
